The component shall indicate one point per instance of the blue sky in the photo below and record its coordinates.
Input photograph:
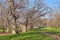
(50, 3)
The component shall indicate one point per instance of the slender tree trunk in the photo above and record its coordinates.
(3, 22)
(16, 27)
(3, 28)
(26, 25)
(31, 27)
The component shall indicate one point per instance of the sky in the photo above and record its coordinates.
(50, 3)
(53, 4)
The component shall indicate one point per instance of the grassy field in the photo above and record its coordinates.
(33, 34)
(27, 36)
(49, 30)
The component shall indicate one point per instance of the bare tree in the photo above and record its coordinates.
(14, 16)
(34, 13)
(26, 13)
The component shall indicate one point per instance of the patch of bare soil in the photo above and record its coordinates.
(54, 36)
(4, 34)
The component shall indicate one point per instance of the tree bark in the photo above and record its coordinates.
(14, 27)
(23, 28)
(13, 14)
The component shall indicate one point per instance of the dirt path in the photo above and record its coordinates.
(4, 34)
(54, 36)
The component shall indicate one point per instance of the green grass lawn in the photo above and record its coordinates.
(27, 36)
(33, 34)
(49, 30)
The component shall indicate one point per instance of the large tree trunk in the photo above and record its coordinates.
(8, 29)
(23, 28)
(14, 27)
(13, 14)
